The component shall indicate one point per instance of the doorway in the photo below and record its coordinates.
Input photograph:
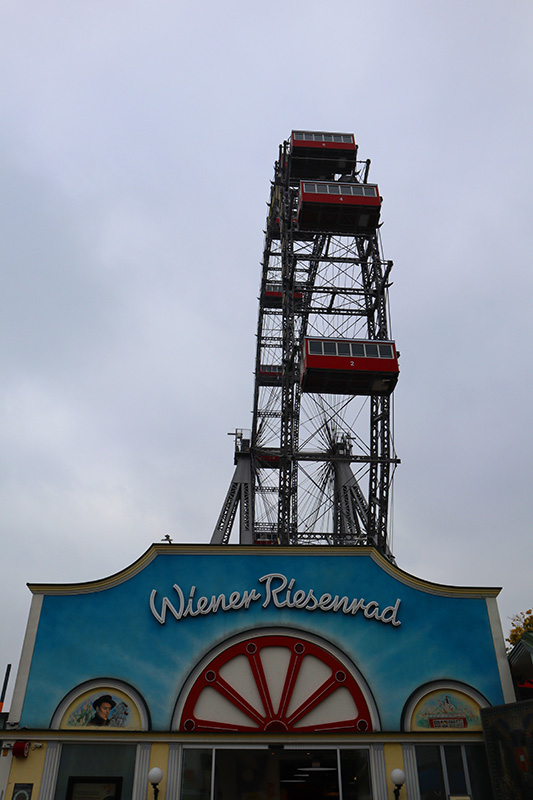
(276, 773)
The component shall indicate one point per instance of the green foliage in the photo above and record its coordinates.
(521, 623)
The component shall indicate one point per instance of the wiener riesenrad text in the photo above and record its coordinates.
(277, 591)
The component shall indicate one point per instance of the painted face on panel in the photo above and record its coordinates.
(103, 710)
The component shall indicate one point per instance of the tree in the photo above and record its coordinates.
(520, 623)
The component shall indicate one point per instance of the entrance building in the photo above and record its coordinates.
(248, 673)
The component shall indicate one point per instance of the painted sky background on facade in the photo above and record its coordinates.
(138, 140)
(429, 637)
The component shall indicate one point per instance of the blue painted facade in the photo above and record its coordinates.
(107, 630)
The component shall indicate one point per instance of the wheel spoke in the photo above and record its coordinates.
(286, 660)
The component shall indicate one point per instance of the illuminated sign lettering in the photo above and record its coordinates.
(280, 592)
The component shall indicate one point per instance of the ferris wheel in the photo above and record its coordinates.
(317, 465)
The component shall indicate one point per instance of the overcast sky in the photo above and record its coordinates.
(137, 143)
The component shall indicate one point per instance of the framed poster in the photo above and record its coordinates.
(91, 788)
(22, 791)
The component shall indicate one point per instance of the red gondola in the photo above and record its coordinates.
(268, 457)
(321, 155)
(341, 366)
(270, 374)
(296, 234)
(273, 296)
(343, 208)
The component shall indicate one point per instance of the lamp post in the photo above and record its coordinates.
(397, 776)
(155, 776)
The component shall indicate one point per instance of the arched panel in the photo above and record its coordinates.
(275, 681)
(443, 705)
(102, 703)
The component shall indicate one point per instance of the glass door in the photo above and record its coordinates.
(276, 775)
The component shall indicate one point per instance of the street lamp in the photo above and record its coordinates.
(155, 776)
(397, 776)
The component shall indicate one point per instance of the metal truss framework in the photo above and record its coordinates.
(316, 468)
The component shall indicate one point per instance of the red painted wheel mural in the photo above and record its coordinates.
(275, 683)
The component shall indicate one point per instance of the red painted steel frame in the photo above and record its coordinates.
(275, 719)
(305, 143)
(338, 199)
(349, 363)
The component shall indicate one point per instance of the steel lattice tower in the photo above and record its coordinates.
(317, 467)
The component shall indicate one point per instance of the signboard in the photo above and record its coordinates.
(508, 734)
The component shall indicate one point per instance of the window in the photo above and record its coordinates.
(96, 772)
(355, 775)
(385, 351)
(352, 189)
(271, 368)
(478, 771)
(430, 777)
(293, 774)
(196, 775)
(445, 770)
(455, 769)
(309, 136)
(355, 349)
